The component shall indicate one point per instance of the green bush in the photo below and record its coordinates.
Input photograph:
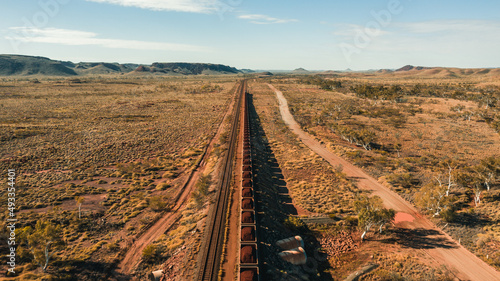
(150, 253)
(157, 203)
(449, 214)
(294, 223)
(162, 186)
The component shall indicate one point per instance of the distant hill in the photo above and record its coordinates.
(103, 68)
(300, 70)
(330, 72)
(245, 70)
(411, 67)
(263, 74)
(17, 65)
(384, 71)
(441, 72)
(183, 68)
(27, 65)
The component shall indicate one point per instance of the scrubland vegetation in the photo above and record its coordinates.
(312, 183)
(100, 160)
(434, 141)
(331, 214)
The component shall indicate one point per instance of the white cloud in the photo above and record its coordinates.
(263, 19)
(446, 37)
(460, 26)
(77, 37)
(193, 6)
(351, 30)
(445, 42)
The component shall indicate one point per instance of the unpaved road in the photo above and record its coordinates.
(133, 255)
(425, 235)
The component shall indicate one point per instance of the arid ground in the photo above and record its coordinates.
(119, 171)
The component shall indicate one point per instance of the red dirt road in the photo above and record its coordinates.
(424, 235)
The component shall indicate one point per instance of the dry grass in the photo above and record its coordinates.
(117, 142)
(313, 184)
(430, 128)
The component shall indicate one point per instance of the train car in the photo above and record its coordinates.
(248, 234)
(249, 273)
(247, 192)
(248, 218)
(247, 204)
(249, 254)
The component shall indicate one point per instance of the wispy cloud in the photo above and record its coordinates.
(77, 37)
(193, 6)
(443, 42)
(350, 30)
(445, 36)
(263, 19)
(462, 26)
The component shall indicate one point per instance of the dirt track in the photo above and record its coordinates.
(425, 236)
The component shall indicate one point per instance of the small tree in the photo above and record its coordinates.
(467, 115)
(448, 182)
(488, 170)
(398, 146)
(365, 139)
(79, 201)
(366, 219)
(386, 216)
(43, 241)
(470, 180)
(478, 189)
(371, 212)
(432, 198)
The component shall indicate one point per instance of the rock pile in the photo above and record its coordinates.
(338, 244)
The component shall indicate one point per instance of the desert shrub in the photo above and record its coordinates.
(324, 84)
(114, 246)
(158, 203)
(364, 137)
(150, 253)
(351, 221)
(294, 223)
(393, 92)
(169, 175)
(449, 214)
(162, 186)
(201, 192)
(396, 121)
(204, 183)
(405, 180)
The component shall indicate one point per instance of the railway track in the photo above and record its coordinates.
(211, 250)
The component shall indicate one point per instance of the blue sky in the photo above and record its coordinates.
(257, 34)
